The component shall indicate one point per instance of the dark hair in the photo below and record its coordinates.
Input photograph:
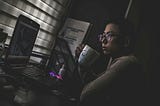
(127, 29)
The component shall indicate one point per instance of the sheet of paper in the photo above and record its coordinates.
(74, 32)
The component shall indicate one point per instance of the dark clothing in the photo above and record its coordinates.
(121, 84)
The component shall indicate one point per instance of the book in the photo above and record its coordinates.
(74, 32)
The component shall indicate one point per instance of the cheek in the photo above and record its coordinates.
(107, 48)
(111, 46)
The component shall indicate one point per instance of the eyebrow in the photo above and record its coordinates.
(108, 32)
(111, 32)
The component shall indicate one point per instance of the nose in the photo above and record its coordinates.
(103, 44)
(104, 41)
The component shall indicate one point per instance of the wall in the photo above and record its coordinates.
(144, 15)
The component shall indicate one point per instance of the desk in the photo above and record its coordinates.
(29, 94)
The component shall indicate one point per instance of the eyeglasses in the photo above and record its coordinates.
(105, 37)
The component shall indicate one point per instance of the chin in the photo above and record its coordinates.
(106, 53)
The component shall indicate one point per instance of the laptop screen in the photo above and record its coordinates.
(22, 41)
(61, 55)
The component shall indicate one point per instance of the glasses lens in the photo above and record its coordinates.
(104, 37)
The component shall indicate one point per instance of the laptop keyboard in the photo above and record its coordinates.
(37, 74)
(32, 72)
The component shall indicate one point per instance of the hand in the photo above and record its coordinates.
(79, 49)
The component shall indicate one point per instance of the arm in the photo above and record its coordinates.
(103, 82)
(85, 73)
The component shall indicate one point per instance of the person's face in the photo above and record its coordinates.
(109, 40)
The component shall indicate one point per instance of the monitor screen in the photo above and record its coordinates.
(23, 39)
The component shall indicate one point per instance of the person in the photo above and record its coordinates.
(122, 83)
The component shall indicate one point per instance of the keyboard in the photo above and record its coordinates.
(40, 76)
(32, 72)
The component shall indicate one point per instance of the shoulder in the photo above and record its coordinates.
(122, 63)
(129, 58)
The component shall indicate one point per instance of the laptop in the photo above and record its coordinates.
(21, 44)
(61, 55)
(49, 75)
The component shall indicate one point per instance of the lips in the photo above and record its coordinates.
(104, 49)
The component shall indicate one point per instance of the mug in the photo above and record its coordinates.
(88, 56)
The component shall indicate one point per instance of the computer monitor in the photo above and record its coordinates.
(22, 41)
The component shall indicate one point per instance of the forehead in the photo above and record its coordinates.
(112, 27)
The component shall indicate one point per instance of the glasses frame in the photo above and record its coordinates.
(107, 36)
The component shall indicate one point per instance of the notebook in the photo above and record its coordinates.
(22, 42)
